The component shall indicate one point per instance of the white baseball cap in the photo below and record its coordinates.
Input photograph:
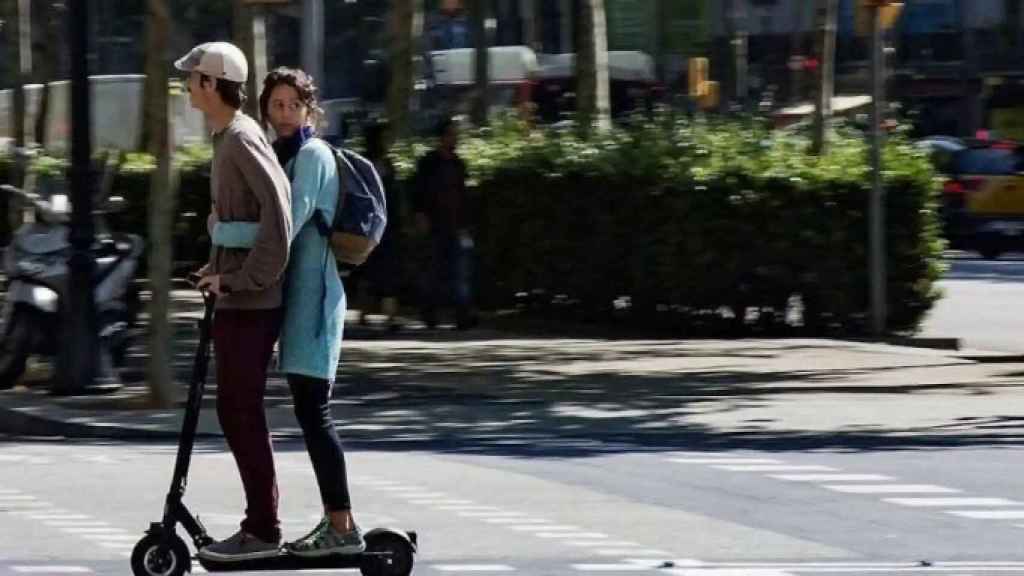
(216, 59)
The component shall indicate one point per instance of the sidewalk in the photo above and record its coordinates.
(420, 385)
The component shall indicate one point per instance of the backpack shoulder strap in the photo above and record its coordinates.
(322, 225)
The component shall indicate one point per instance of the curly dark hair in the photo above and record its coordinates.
(303, 85)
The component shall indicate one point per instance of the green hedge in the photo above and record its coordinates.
(686, 221)
(674, 225)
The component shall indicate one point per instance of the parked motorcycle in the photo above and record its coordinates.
(36, 267)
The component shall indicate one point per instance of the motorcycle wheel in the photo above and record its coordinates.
(15, 349)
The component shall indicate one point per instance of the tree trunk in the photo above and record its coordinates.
(827, 16)
(400, 32)
(739, 36)
(161, 204)
(481, 94)
(244, 38)
(661, 40)
(50, 15)
(12, 17)
(1013, 22)
(593, 108)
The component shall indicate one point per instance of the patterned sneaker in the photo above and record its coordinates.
(324, 540)
(240, 546)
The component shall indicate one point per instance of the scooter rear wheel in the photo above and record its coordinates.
(389, 556)
(151, 557)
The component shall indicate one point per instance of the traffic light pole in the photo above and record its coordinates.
(877, 205)
(78, 357)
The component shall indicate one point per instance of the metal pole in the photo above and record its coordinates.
(827, 14)
(78, 360)
(739, 47)
(313, 40)
(877, 206)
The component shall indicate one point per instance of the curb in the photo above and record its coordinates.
(17, 423)
(986, 357)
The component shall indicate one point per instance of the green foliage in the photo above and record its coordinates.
(681, 220)
(688, 219)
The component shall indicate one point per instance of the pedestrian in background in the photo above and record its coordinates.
(443, 217)
(383, 271)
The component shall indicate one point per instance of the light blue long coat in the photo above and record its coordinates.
(314, 298)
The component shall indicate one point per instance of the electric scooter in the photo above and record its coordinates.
(161, 552)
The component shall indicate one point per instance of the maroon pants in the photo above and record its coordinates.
(244, 341)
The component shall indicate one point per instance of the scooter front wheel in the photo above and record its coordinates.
(15, 348)
(152, 557)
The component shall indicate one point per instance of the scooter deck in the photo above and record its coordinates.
(286, 561)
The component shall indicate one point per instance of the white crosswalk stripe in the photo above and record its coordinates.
(724, 461)
(891, 489)
(942, 502)
(832, 477)
(989, 514)
(473, 568)
(775, 468)
(51, 569)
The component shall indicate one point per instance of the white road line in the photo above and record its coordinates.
(594, 535)
(473, 568)
(891, 489)
(15, 497)
(37, 504)
(940, 502)
(75, 523)
(610, 568)
(775, 468)
(108, 530)
(634, 552)
(724, 461)
(832, 477)
(398, 489)
(545, 528)
(444, 502)
(468, 508)
(58, 516)
(51, 569)
(111, 537)
(989, 514)
(667, 563)
(875, 567)
(727, 572)
(597, 543)
(508, 520)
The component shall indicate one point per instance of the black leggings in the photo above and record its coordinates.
(313, 410)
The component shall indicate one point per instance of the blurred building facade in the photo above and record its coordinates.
(957, 64)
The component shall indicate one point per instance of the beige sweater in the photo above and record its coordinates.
(248, 185)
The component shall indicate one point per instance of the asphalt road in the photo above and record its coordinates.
(983, 303)
(555, 505)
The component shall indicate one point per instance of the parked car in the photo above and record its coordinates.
(983, 193)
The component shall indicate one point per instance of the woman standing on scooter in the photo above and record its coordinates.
(310, 343)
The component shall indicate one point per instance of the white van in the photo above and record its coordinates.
(512, 71)
(116, 113)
